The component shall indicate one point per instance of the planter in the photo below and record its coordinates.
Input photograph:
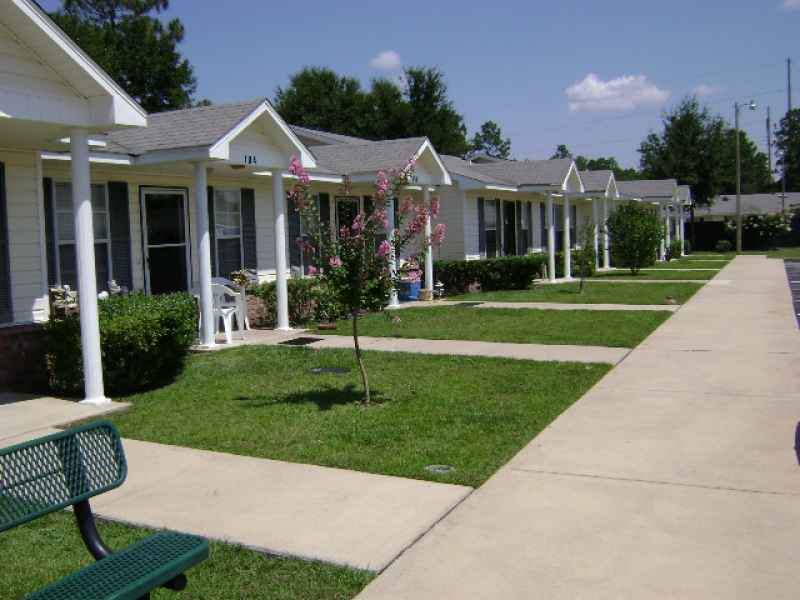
(326, 326)
(409, 290)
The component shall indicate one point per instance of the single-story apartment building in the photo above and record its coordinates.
(663, 195)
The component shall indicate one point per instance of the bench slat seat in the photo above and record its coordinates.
(132, 572)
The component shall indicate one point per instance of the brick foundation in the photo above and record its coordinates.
(23, 366)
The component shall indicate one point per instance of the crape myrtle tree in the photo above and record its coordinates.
(357, 264)
(636, 231)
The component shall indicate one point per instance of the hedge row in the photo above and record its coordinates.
(509, 273)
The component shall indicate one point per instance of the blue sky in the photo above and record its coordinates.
(593, 75)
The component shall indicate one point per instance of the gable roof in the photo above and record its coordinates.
(752, 204)
(366, 157)
(596, 181)
(187, 128)
(459, 166)
(648, 188)
(685, 194)
(316, 137)
(528, 172)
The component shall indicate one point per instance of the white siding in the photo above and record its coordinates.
(452, 215)
(28, 296)
(471, 233)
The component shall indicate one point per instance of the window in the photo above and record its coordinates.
(558, 222)
(64, 218)
(347, 208)
(490, 225)
(228, 230)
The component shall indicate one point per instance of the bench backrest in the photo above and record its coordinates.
(53, 472)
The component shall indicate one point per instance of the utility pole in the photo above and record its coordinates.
(738, 183)
(769, 143)
(788, 109)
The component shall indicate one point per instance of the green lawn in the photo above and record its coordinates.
(49, 549)
(633, 293)
(522, 326)
(471, 413)
(688, 264)
(656, 274)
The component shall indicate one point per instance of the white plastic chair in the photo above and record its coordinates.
(224, 308)
(242, 322)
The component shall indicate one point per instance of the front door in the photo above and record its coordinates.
(509, 229)
(166, 248)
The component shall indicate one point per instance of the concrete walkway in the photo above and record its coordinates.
(540, 352)
(675, 477)
(22, 416)
(335, 515)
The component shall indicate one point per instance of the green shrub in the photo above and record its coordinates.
(309, 300)
(507, 273)
(584, 260)
(144, 341)
(723, 246)
(674, 249)
(636, 232)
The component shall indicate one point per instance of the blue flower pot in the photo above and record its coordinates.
(409, 290)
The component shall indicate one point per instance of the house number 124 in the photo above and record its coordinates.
(250, 159)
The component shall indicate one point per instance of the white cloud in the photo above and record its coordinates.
(388, 60)
(705, 89)
(791, 4)
(627, 92)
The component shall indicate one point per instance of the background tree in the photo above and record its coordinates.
(597, 164)
(561, 152)
(319, 98)
(489, 141)
(134, 47)
(432, 113)
(386, 112)
(756, 177)
(787, 142)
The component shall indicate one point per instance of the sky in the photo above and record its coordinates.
(595, 76)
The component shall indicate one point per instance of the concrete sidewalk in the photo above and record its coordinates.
(345, 517)
(675, 477)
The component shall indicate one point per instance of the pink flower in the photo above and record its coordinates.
(384, 249)
(295, 166)
(312, 270)
(438, 234)
(414, 275)
(335, 262)
(382, 185)
(358, 223)
(435, 208)
(407, 205)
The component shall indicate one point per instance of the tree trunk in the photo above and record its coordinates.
(359, 359)
(580, 289)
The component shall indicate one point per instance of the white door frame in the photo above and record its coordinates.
(144, 191)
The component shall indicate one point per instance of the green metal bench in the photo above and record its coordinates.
(66, 469)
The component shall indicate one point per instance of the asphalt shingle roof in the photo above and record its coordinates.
(367, 157)
(315, 137)
(596, 181)
(187, 128)
(527, 172)
(684, 194)
(459, 166)
(752, 204)
(648, 188)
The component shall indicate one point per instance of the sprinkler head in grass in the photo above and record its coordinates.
(440, 469)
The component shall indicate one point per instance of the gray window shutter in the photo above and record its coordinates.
(250, 257)
(481, 228)
(49, 232)
(325, 211)
(573, 225)
(119, 217)
(295, 231)
(520, 239)
(543, 224)
(6, 312)
(498, 204)
(529, 209)
(212, 230)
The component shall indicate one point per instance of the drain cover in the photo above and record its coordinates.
(470, 304)
(300, 341)
(440, 469)
(336, 370)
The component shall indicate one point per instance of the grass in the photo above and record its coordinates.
(688, 264)
(263, 401)
(657, 274)
(779, 253)
(651, 293)
(50, 548)
(623, 329)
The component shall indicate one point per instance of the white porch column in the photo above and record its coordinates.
(663, 249)
(94, 393)
(394, 300)
(606, 240)
(208, 328)
(680, 229)
(567, 240)
(426, 196)
(668, 227)
(281, 284)
(596, 231)
(551, 238)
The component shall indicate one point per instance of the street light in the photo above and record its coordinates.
(737, 107)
